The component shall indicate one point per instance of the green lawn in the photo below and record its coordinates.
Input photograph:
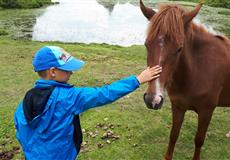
(139, 133)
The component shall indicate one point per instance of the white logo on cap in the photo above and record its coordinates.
(65, 56)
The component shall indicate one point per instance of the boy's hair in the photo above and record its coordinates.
(42, 74)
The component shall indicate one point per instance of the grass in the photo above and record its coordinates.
(143, 133)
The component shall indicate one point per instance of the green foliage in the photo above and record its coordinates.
(23, 3)
(219, 3)
(8, 3)
(213, 3)
(224, 12)
(3, 32)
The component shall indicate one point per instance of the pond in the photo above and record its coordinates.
(117, 22)
(87, 21)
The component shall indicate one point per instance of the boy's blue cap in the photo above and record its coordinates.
(53, 56)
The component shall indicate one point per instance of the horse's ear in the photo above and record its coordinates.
(187, 17)
(148, 12)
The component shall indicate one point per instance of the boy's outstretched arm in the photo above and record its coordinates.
(89, 97)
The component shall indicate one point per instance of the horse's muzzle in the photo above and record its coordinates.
(149, 101)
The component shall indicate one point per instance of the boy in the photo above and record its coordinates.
(47, 120)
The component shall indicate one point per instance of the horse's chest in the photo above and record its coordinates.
(178, 99)
(190, 101)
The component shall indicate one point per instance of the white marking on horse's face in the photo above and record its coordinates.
(159, 93)
(161, 39)
(161, 44)
(158, 87)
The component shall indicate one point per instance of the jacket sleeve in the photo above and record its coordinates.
(89, 97)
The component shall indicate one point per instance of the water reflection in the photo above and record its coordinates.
(88, 21)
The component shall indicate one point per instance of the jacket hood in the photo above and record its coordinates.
(35, 101)
(36, 98)
(41, 83)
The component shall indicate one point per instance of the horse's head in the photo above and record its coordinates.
(165, 43)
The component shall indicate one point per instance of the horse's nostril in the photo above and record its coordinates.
(147, 101)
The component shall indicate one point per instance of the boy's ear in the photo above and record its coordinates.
(52, 72)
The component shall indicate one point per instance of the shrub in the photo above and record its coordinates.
(23, 3)
(213, 3)
(3, 32)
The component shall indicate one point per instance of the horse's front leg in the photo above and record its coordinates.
(204, 118)
(177, 119)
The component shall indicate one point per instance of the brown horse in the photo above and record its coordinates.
(196, 69)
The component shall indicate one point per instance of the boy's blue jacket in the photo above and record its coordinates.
(44, 120)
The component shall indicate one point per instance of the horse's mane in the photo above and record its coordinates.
(202, 29)
(168, 22)
(224, 39)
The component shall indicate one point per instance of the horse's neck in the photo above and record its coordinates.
(194, 53)
(197, 38)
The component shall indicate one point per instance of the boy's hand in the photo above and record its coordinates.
(149, 74)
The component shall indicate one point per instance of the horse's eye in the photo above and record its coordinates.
(179, 50)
